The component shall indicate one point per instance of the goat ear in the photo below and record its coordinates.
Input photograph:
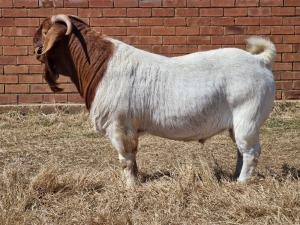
(54, 34)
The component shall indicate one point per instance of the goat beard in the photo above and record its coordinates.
(51, 76)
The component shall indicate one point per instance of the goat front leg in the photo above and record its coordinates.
(125, 140)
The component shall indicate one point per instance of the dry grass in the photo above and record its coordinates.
(55, 170)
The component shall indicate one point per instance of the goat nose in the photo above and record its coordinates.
(38, 50)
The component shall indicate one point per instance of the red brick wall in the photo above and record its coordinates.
(169, 27)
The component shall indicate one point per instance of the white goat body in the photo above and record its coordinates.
(191, 97)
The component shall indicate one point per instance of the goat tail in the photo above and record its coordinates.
(262, 48)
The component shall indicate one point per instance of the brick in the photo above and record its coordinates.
(114, 31)
(8, 99)
(175, 22)
(187, 31)
(68, 11)
(259, 30)
(40, 88)
(76, 3)
(163, 12)
(197, 3)
(186, 12)
(14, 13)
(282, 66)
(291, 21)
(174, 40)
(297, 10)
(90, 12)
(7, 50)
(1, 88)
(16, 88)
(284, 85)
(19, 69)
(198, 40)
(247, 21)
(8, 60)
(36, 69)
(211, 12)
(138, 31)
(290, 57)
(271, 21)
(259, 11)
(162, 30)
(297, 29)
(296, 66)
(55, 98)
(234, 30)
(127, 22)
(144, 47)
(27, 22)
(291, 3)
(282, 30)
(296, 47)
(68, 88)
(211, 30)
(284, 48)
(5, 3)
(30, 98)
(51, 3)
(101, 3)
(271, 2)
(116, 12)
(6, 22)
(222, 21)
(291, 94)
(174, 3)
(150, 3)
(296, 84)
(222, 3)
(126, 3)
(163, 49)
(139, 12)
(222, 40)
(27, 60)
(10, 79)
(208, 47)
(291, 38)
(150, 40)
(41, 12)
(74, 98)
(151, 21)
(185, 49)
(102, 22)
(287, 75)
(235, 12)
(246, 3)
(129, 39)
(198, 21)
(283, 11)
(25, 3)
(30, 79)
(21, 31)
(7, 41)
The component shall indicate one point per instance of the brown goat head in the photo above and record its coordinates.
(68, 46)
(46, 39)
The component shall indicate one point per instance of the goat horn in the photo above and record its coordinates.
(65, 19)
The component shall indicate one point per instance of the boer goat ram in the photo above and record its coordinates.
(130, 91)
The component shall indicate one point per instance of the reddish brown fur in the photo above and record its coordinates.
(83, 56)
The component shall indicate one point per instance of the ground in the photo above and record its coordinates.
(55, 170)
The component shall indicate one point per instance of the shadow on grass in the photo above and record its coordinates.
(155, 176)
